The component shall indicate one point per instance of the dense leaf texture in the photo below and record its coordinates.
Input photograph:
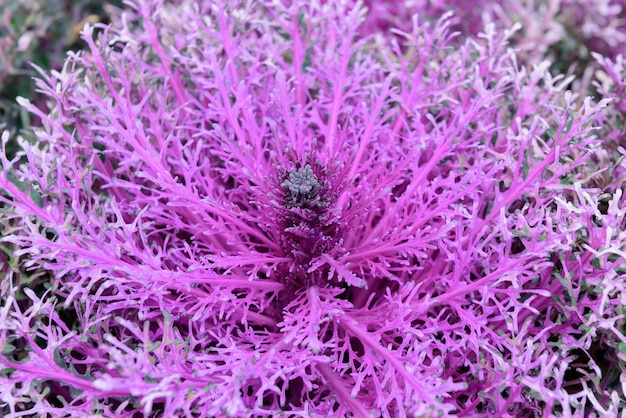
(251, 209)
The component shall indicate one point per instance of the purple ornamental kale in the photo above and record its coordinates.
(248, 209)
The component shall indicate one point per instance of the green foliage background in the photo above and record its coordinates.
(41, 33)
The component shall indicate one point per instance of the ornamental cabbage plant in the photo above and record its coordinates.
(255, 209)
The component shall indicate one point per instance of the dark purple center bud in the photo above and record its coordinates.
(302, 188)
(308, 231)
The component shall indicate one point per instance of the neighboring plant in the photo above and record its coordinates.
(254, 209)
(564, 32)
(38, 32)
(610, 81)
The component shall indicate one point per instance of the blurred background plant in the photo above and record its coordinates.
(564, 32)
(39, 32)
